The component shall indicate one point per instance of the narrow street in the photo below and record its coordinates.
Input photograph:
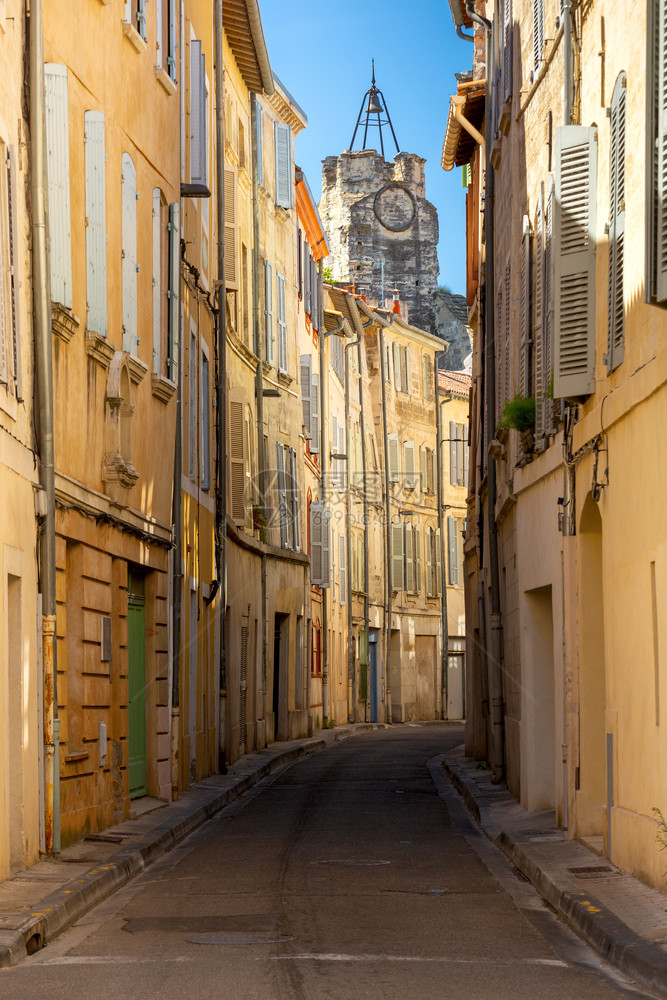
(350, 874)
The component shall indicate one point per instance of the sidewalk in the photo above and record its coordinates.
(620, 917)
(41, 902)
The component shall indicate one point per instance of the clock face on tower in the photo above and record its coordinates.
(395, 207)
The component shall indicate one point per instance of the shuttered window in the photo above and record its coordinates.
(308, 274)
(198, 121)
(283, 152)
(524, 312)
(231, 237)
(166, 36)
(268, 310)
(57, 152)
(306, 373)
(130, 265)
(342, 569)
(433, 563)
(205, 409)
(294, 500)
(538, 34)
(409, 468)
(394, 471)
(507, 50)
(281, 323)
(96, 235)
(616, 309)
(453, 550)
(656, 153)
(282, 501)
(574, 251)
(174, 292)
(538, 319)
(397, 557)
(237, 460)
(398, 380)
(157, 281)
(315, 415)
(320, 533)
(259, 141)
(551, 406)
(10, 333)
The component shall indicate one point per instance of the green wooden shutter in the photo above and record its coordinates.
(574, 250)
(616, 310)
(430, 582)
(418, 560)
(57, 151)
(96, 215)
(409, 543)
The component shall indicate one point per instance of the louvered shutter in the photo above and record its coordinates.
(237, 460)
(342, 569)
(432, 470)
(452, 551)
(438, 564)
(574, 250)
(57, 153)
(296, 514)
(418, 560)
(306, 364)
(259, 141)
(397, 557)
(157, 282)
(423, 474)
(130, 266)
(268, 310)
(616, 311)
(499, 353)
(464, 433)
(15, 324)
(198, 124)
(281, 323)
(314, 296)
(407, 384)
(283, 150)
(506, 335)
(342, 464)
(660, 166)
(96, 236)
(410, 480)
(315, 415)
(4, 331)
(299, 261)
(205, 408)
(171, 55)
(550, 405)
(409, 559)
(398, 383)
(282, 494)
(538, 34)
(308, 273)
(320, 533)
(524, 309)
(333, 430)
(174, 290)
(507, 50)
(430, 583)
(453, 454)
(393, 458)
(538, 320)
(231, 240)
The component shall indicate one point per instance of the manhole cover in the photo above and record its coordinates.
(231, 938)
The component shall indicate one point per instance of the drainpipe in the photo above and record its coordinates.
(444, 646)
(387, 518)
(177, 582)
(259, 377)
(44, 373)
(362, 421)
(351, 671)
(494, 653)
(221, 387)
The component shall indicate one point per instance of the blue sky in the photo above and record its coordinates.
(322, 53)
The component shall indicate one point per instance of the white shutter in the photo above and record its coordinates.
(524, 309)
(418, 560)
(398, 382)
(57, 152)
(315, 415)
(159, 33)
(174, 290)
(550, 407)
(320, 533)
(171, 55)
(574, 243)
(453, 454)
(394, 470)
(660, 168)
(453, 551)
(282, 495)
(410, 480)
(130, 266)
(423, 473)
(538, 323)
(616, 311)
(198, 124)
(157, 282)
(14, 281)
(283, 150)
(438, 564)
(430, 582)
(409, 559)
(397, 557)
(231, 240)
(342, 569)
(281, 323)
(306, 364)
(141, 18)
(268, 309)
(296, 527)
(538, 34)
(464, 431)
(96, 235)
(237, 460)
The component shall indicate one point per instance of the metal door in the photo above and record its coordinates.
(136, 643)
(373, 680)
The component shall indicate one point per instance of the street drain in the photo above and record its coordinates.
(592, 871)
(351, 862)
(240, 938)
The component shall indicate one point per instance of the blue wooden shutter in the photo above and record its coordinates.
(198, 124)
(96, 227)
(574, 246)
(171, 55)
(57, 150)
(283, 151)
(306, 366)
(616, 311)
(174, 290)
(268, 309)
(296, 534)
(157, 283)
(315, 415)
(130, 266)
(281, 323)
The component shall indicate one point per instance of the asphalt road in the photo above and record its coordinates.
(353, 874)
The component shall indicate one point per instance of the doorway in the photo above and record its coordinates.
(280, 657)
(136, 655)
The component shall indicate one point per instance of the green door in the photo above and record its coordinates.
(136, 642)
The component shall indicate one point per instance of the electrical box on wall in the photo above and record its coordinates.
(105, 642)
(103, 743)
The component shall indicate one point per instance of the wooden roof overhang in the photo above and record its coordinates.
(242, 25)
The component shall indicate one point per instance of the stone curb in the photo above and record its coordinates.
(591, 919)
(66, 905)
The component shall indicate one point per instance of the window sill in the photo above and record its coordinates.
(165, 81)
(133, 37)
(163, 388)
(64, 322)
(8, 403)
(99, 348)
(72, 758)
(137, 369)
(285, 379)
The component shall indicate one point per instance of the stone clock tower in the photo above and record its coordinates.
(382, 231)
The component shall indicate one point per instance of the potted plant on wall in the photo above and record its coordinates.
(519, 415)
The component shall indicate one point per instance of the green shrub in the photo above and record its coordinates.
(519, 414)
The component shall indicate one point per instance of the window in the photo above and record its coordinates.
(259, 139)
(192, 404)
(96, 219)
(166, 37)
(57, 146)
(173, 333)
(525, 357)
(433, 563)
(338, 358)
(268, 310)
(398, 557)
(428, 378)
(507, 50)
(538, 35)
(205, 402)
(410, 472)
(458, 454)
(394, 470)
(281, 322)
(129, 244)
(198, 116)
(427, 473)
(616, 312)
(306, 373)
(316, 650)
(283, 154)
(342, 568)
(135, 14)
(320, 534)
(237, 463)
(10, 334)
(453, 537)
